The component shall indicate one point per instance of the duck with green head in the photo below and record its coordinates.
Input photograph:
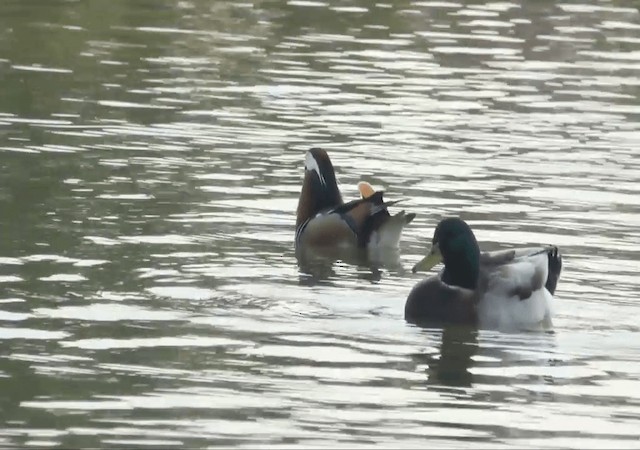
(507, 289)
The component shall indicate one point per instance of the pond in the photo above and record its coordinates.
(151, 158)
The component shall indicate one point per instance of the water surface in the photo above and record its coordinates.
(151, 156)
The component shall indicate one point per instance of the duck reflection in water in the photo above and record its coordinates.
(450, 366)
(319, 264)
(467, 357)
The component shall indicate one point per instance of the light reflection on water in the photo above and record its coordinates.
(151, 163)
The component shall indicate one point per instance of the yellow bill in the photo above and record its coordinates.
(434, 257)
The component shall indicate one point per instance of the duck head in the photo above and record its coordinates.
(454, 244)
(319, 187)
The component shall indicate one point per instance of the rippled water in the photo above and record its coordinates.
(150, 161)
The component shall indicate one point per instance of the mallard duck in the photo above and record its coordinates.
(501, 289)
(323, 219)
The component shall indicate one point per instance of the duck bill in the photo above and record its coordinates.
(434, 257)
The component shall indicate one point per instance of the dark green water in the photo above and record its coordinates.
(151, 157)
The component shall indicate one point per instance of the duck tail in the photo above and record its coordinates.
(555, 267)
(390, 232)
(381, 229)
(384, 230)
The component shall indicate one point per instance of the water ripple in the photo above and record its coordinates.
(151, 293)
